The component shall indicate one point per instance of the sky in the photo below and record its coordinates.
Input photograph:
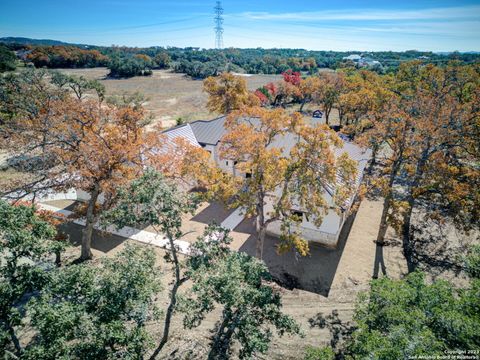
(347, 25)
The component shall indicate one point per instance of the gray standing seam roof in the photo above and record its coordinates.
(209, 132)
(183, 131)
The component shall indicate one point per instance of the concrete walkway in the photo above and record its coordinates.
(127, 232)
(233, 220)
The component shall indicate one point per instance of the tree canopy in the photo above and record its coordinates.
(240, 285)
(290, 177)
(7, 59)
(85, 143)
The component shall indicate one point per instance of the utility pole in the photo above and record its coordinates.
(218, 25)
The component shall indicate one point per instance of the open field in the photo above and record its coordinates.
(169, 95)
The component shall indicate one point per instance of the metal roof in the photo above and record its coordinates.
(209, 132)
(183, 131)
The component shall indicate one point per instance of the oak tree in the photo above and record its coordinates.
(25, 241)
(152, 200)
(226, 93)
(84, 143)
(285, 176)
(97, 310)
(241, 286)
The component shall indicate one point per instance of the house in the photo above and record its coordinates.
(353, 57)
(367, 62)
(362, 60)
(208, 135)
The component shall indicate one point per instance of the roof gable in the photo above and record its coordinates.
(182, 131)
(209, 132)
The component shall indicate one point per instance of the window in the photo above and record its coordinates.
(235, 162)
(248, 175)
(226, 162)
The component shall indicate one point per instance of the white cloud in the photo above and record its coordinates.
(465, 12)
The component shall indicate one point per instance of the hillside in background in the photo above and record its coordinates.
(199, 63)
(30, 41)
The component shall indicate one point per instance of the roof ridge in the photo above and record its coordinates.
(206, 121)
(175, 127)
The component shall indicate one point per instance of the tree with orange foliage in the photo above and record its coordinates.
(430, 131)
(329, 89)
(323, 89)
(444, 107)
(288, 92)
(309, 88)
(356, 98)
(283, 176)
(65, 56)
(98, 149)
(370, 130)
(85, 144)
(226, 93)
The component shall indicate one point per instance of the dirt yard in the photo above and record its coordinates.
(169, 95)
(325, 281)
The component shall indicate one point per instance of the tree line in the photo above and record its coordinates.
(201, 63)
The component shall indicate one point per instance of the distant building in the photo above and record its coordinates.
(23, 54)
(362, 61)
(353, 57)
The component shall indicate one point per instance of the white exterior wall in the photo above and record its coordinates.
(327, 234)
(84, 196)
(324, 235)
(221, 163)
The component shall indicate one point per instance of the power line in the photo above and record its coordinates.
(218, 25)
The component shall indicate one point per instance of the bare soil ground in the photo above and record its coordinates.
(325, 281)
(10, 178)
(169, 95)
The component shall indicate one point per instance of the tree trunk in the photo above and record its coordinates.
(373, 161)
(173, 299)
(13, 337)
(58, 258)
(407, 244)
(221, 341)
(407, 218)
(340, 116)
(217, 341)
(304, 101)
(328, 110)
(260, 242)
(260, 227)
(387, 201)
(90, 221)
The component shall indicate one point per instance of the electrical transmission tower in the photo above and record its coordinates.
(219, 25)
